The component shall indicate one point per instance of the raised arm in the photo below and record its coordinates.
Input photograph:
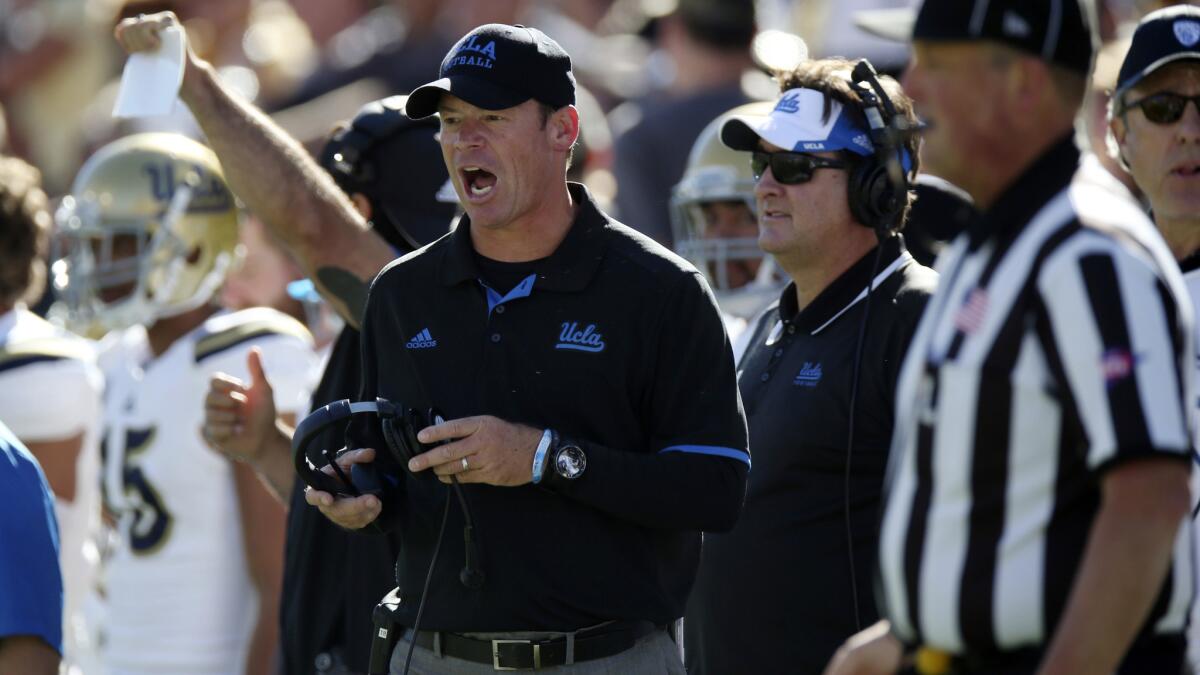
(276, 179)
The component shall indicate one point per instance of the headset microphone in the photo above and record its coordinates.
(471, 576)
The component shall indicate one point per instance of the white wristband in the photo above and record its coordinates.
(539, 456)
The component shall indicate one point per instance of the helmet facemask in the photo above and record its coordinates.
(716, 186)
(133, 248)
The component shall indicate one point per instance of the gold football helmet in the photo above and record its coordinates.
(149, 230)
(715, 184)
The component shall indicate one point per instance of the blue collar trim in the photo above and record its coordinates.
(521, 290)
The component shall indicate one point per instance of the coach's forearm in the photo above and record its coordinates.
(282, 185)
(1123, 568)
(673, 490)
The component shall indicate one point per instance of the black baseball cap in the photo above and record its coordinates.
(498, 66)
(1164, 36)
(1058, 31)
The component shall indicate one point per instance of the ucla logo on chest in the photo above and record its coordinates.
(809, 375)
(587, 339)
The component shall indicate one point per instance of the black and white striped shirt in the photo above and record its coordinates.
(1057, 345)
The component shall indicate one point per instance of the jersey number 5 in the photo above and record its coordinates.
(151, 522)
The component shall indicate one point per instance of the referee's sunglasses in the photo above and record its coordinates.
(790, 168)
(1165, 107)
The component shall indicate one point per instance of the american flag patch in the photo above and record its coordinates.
(1116, 364)
(970, 316)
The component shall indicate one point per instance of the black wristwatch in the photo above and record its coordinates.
(568, 461)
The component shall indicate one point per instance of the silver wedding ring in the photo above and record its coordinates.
(465, 467)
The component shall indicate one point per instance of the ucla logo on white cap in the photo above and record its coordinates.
(1187, 32)
(790, 103)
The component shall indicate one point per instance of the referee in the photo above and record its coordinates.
(1038, 484)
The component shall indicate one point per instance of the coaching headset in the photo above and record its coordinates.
(878, 186)
(877, 189)
(400, 425)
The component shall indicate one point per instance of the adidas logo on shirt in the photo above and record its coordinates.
(422, 340)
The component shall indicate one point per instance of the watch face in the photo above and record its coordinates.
(570, 462)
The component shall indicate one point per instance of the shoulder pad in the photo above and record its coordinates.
(218, 336)
(50, 348)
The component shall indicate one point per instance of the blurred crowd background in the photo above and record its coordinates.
(655, 72)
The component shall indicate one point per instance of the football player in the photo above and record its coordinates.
(50, 396)
(714, 227)
(150, 231)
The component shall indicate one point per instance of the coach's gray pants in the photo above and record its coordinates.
(654, 654)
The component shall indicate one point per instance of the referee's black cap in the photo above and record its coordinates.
(498, 66)
(1058, 31)
(1165, 36)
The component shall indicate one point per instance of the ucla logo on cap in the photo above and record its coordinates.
(790, 103)
(1187, 32)
(471, 53)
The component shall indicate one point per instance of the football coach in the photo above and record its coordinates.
(593, 413)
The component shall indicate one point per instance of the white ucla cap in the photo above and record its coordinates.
(799, 123)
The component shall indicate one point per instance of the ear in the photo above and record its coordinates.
(1118, 132)
(1029, 81)
(563, 128)
(361, 204)
(1116, 126)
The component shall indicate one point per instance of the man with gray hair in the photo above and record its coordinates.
(1155, 135)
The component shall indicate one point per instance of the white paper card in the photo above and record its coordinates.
(150, 82)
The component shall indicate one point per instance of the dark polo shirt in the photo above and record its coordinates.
(773, 595)
(615, 343)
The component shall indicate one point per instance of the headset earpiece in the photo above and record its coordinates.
(364, 480)
(400, 425)
(873, 197)
(878, 186)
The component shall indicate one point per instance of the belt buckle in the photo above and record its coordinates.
(537, 654)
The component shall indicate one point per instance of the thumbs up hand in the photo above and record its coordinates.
(239, 417)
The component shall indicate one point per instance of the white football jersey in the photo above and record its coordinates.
(50, 391)
(180, 596)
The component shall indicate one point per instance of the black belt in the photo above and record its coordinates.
(504, 654)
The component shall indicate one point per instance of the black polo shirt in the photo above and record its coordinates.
(617, 344)
(773, 595)
(323, 610)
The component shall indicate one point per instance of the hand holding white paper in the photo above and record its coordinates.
(150, 81)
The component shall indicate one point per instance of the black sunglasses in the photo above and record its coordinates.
(790, 168)
(1165, 107)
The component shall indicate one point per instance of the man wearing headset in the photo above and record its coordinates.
(799, 560)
